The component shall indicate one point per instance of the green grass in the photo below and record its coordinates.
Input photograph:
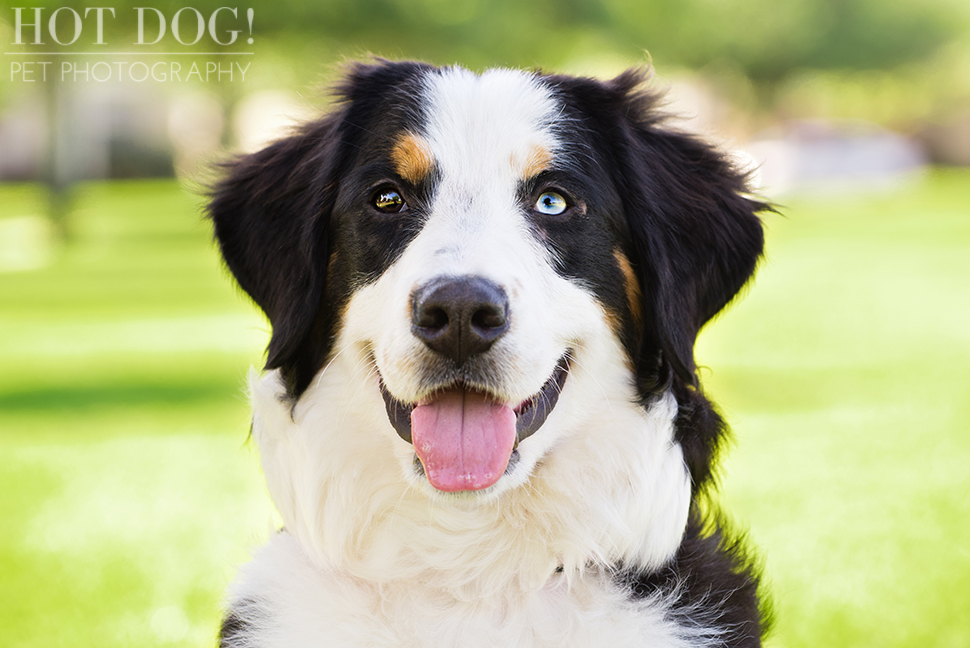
(128, 494)
(846, 375)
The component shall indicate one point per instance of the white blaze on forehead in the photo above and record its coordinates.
(487, 133)
(494, 127)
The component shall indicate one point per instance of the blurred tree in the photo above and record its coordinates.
(766, 38)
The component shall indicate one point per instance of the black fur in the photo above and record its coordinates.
(713, 582)
(712, 569)
(234, 628)
(295, 233)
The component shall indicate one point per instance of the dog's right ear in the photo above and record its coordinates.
(271, 214)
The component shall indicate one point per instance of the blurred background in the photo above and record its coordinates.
(128, 491)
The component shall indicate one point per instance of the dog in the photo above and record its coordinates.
(480, 419)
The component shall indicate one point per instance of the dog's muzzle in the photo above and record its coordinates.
(463, 435)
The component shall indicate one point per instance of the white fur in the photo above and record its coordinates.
(306, 605)
(372, 554)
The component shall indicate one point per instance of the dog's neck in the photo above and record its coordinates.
(614, 492)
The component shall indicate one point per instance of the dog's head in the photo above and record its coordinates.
(475, 242)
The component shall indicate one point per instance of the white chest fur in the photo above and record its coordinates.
(288, 601)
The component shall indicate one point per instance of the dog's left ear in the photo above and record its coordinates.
(695, 230)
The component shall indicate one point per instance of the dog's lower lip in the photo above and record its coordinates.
(530, 414)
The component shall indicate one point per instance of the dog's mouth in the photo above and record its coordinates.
(464, 438)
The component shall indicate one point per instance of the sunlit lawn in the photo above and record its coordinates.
(126, 490)
(128, 494)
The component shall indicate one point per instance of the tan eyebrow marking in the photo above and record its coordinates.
(537, 160)
(412, 158)
(631, 284)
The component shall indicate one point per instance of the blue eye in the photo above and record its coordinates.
(551, 204)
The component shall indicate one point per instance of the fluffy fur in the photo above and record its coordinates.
(605, 242)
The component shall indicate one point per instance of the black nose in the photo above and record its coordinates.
(459, 316)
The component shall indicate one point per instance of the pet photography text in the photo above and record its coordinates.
(59, 45)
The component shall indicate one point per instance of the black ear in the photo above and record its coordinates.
(695, 231)
(271, 215)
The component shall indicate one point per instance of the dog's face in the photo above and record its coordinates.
(487, 253)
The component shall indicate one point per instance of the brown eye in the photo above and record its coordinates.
(389, 201)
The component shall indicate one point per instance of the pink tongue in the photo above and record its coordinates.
(463, 439)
